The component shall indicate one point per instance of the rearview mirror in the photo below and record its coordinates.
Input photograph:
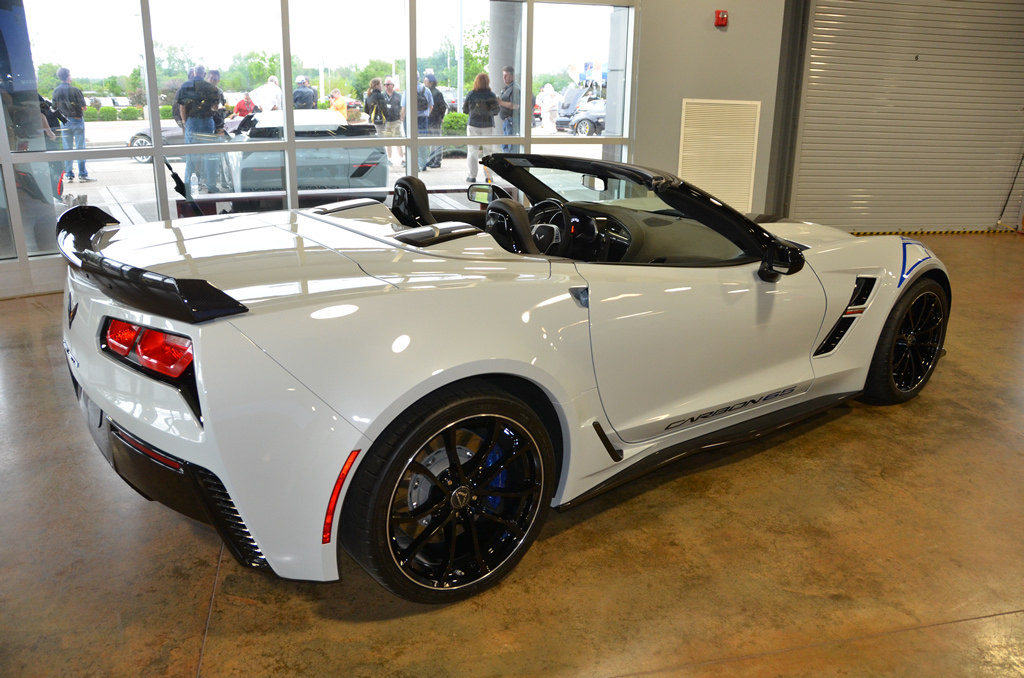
(594, 183)
(483, 194)
(780, 259)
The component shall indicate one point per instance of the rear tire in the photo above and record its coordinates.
(451, 495)
(909, 346)
(140, 141)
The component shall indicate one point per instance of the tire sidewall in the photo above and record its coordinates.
(411, 433)
(881, 387)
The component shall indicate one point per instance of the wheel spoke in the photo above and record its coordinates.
(477, 552)
(518, 493)
(512, 527)
(420, 541)
(496, 470)
(452, 450)
(419, 468)
(450, 535)
(417, 515)
(485, 450)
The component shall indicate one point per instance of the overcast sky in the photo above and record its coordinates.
(96, 40)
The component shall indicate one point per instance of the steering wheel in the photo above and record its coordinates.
(538, 214)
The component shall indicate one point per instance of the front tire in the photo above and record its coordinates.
(451, 496)
(910, 345)
(584, 128)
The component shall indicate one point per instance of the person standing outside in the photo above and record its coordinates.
(424, 102)
(393, 116)
(304, 96)
(374, 104)
(482, 106)
(437, 113)
(509, 100)
(70, 101)
(198, 100)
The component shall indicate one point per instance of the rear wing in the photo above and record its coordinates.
(189, 300)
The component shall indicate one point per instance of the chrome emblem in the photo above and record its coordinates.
(460, 497)
(72, 311)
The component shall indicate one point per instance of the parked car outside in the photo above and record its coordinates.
(318, 168)
(169, 130)
(589, 119)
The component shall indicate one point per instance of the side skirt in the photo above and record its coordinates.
(743, 432)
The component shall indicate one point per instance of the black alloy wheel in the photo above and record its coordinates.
(452, 495)
(910, 344)
(140, 141)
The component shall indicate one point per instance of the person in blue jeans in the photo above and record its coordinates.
(422, 103)
(70, 101)
(509, 100)
(198, 100)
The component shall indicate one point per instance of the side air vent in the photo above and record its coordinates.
(835, 336)
(228, 522)
(861, 293)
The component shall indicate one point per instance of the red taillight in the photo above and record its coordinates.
(164, 353)
(121, 336)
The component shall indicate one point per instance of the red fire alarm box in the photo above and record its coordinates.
(721, 18)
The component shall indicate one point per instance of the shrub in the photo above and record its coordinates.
(454, 124)
(166, 113)
(129, 113)
(108, 114)
(90, 114)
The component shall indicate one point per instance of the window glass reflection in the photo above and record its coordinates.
(484, 38)
(579, 88)
(39, 197)
(88, 96)
(7, 248)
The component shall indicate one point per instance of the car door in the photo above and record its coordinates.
(687, 336)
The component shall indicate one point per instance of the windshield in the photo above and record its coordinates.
(575, 186)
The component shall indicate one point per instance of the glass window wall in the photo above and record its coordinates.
(98, 112)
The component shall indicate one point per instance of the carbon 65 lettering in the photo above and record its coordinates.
(730, 408)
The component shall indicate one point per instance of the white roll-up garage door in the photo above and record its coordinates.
(912, 114)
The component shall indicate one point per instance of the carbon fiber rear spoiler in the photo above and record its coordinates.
(189, 300)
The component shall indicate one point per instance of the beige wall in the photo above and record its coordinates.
(682, 55)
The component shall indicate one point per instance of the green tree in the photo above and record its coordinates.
(558, 80)
(476, 50)
(113, 86)
(377, 68)
(136, 89)
(249, 71)
(46, 79)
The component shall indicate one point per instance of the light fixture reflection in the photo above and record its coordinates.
(338, 311)
(401, 343)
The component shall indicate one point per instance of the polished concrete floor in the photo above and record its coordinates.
(869, 541)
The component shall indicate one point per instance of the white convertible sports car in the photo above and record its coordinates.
(418, 387)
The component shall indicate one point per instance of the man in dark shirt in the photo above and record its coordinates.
(70, 101)
(198, 101)
(304, 96)
(509, 100)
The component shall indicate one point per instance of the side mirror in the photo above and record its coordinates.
(780, 259)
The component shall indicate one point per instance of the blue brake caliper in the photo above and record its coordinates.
(499, 481)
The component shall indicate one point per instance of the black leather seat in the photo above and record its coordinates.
(509, 224)
(410, 204)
